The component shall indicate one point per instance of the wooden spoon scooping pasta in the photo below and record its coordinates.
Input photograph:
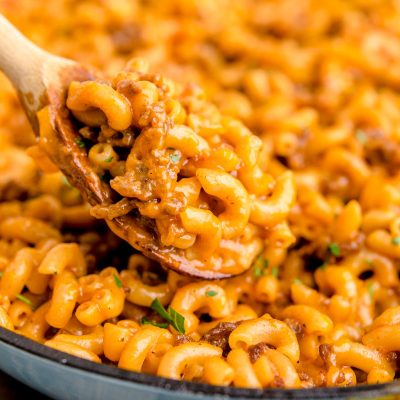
(42, 79)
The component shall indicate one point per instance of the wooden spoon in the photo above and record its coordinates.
(42, 79)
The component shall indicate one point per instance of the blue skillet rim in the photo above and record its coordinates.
(172, 385)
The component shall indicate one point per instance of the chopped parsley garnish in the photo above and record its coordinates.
(118, 281)
(178, 321)
(275, 272)
(160, 310)
(80, 143)
(297, 281)
(334, 249)
(396, 241)
(175, 157)
(24, 299)
(361, 136)
(323, 266)
(104, 177)
(260, 266)
(370, 288)
(109, 159)
(1, 274)
(211, 293)
(146, 321)
(171, 316)
(369, 262)
(66, 182)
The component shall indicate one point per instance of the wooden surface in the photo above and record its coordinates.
(10, 389)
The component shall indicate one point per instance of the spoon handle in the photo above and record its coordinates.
(30, 69)
(21, 61)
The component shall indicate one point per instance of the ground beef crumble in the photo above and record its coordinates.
(219, 336)
(256, 351)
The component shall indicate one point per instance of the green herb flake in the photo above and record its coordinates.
(257, 271)
(109, 159)
(103, 177)
(173, 317)
(66, 181)
(334, 249)
(370, 288)
(211, 293)
(275, 272)
(146, 321)
(369, 262)
(160, 310)
(361, 136)
(1, 274)
(396, 241)
(323, 266)
(178, 321)
(117, 281)
(175, 157)
(24, 299)
(80, 143)
(297, 281)
(260, 266)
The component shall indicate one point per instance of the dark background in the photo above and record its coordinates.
(10, 389)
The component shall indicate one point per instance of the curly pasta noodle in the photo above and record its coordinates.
(266, 140)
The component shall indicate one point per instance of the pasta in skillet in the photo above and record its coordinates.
(264, 139)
